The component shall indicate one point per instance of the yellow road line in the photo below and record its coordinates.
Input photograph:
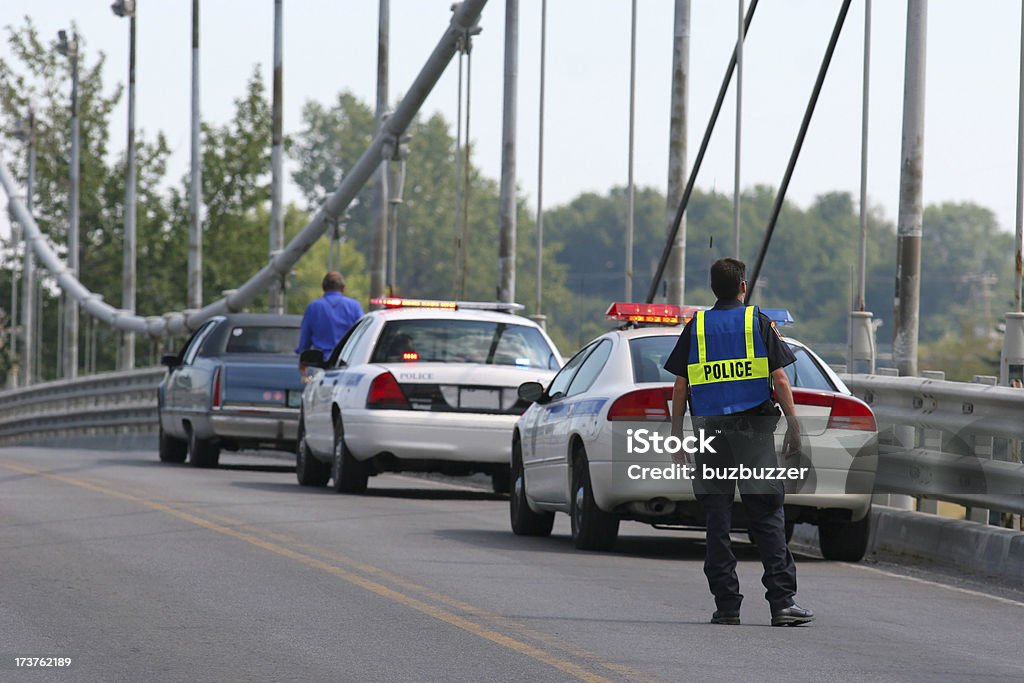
(477, 612)
(375, 587)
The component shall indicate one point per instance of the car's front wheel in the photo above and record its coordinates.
(308, 470)
(349, 474)
(525, 522)
(202, 452)
(171, 449)
(592, 527)
(844, 541)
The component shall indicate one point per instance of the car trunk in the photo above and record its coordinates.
(260, 381)
(465, 387)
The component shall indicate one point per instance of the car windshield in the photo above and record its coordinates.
(463, 341)
(650, 353)
(254, 339)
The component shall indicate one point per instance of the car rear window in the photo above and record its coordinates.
(262, 340)
(650, 353)
(463, 341)
(806, 373)
(649, 356)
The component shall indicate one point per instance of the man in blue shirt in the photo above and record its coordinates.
(328, 318)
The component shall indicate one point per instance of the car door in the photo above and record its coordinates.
(319, 428)
(181, 380)
(543, 459)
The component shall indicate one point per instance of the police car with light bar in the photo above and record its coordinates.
(420, 385)
(565, 457)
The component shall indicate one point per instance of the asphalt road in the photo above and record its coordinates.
(146, 572)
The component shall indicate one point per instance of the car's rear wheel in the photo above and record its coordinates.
(171, 449)
(202, 452)
(592, 527)
(844, 541)
(525, 522)
(501, 479)
(349, 474)
(308, 470)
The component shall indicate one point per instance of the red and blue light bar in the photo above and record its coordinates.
(652, 314)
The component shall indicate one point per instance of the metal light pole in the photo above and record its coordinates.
(379, 207)
(69, 361)
(12, 317)
(861, 343)
(630, 198)
(126, 359)
(276, 299)
(676, 268)
(739, 130)
(1011, 362)
(396, 187)
(507, 198)
(26, 132)
(538, 316)
(908, 233)
(195, 195)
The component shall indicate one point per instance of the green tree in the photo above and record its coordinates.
(37, 74)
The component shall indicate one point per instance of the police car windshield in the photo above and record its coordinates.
(650, 353)
(463, 341)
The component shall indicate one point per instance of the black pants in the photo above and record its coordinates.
(767, 522)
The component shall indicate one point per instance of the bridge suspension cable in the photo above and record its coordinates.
(465, 16)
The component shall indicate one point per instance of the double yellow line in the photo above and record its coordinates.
(570, 659)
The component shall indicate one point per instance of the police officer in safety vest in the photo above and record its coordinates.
(726, 361)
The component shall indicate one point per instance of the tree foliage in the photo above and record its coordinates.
(810, 267)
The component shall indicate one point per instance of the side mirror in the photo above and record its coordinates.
(531, 392)
(170, 360)
(312, 358)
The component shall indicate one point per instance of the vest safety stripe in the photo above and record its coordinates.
(728, 370)
(748, 329)
(702, 351)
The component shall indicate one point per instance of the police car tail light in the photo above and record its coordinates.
(845, 412)
(642, 404)
(851, 413)
(657, 314)
(386, 393)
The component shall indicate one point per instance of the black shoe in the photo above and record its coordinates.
(794, 615)
(729, 618)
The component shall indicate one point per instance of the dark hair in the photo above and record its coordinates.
(726, 276)
(333, 282)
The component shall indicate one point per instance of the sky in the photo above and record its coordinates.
(971, 115)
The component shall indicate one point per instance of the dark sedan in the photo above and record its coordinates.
(235, 384)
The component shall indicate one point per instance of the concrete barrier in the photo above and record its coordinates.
(976, 549)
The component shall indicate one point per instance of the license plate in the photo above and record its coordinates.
(480, 399)
(294, 399)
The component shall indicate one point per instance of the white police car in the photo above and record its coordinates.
(420, 386)
(568, 448)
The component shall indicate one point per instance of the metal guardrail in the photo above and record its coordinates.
(97, 405)
(949, 441)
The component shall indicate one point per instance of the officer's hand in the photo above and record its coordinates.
(681, 457)
(303, 373)
(791, 444)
